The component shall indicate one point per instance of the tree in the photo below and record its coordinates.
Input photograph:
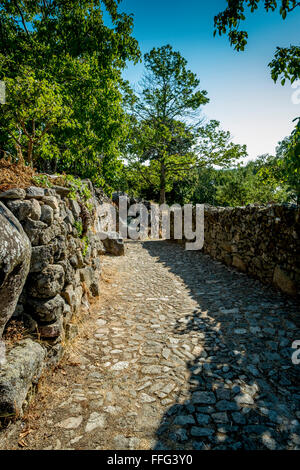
(243, 185)
(66, 43)
(167, 138)
(286, 62)
(34, 107)
(284, 168)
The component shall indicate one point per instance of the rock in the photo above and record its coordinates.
(183, 420)
(244, 399)
(70, 423)
(34, 229)
(73, 296)
(16, 193)
(30, 324)
(113, 244)
(179, 435)
(224, 405)
(238, 263)
(268, 441)
(41, 257)
(47, 214)
(202, 419)
(125, 443)
(220, 417)
(25, 209)
(282, 280)
(238, 418)
(23, 367)
(47, 283)
(35, 192)
(95, 421)
(52, 330)
(75, 208)
(91, 280)
(61, 190)
(46, 310)
(198, 431)
(206, 398)
(49, 233)
(120, 365)
(145, 398)
(52, 202)
(15, 252)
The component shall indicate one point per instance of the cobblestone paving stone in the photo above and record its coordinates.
(186, 354)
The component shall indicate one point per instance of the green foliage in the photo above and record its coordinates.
(77, 187)
(167, 140)
(79, 227)
(86, 243)
(286, 62)
(33, 108)
(237, 186)
(76, 62)
(42, 180)
(284, 168)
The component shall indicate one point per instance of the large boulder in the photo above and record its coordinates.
(23, 366)
(15, 254)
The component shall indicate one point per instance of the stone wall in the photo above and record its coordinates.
(49, 269)
(262, 241)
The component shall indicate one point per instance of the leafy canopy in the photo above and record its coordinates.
(67, 44)
(168, 138)
(286, 62)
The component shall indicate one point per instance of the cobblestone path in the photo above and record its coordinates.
(184, 354)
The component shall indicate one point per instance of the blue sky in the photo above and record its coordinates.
(242, 95)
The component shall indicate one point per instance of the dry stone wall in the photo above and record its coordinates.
(49, 268)
(262, 241)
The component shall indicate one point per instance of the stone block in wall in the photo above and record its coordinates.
(77, 260)
(41, 257)
(47, 283)
(49, 233)
(52, 330)
(25, 209)
(33, 230)
(23, 367)
(68, 270)
(53, 202)
(69, 218)
(15, 193)
(73, 296)
(45, 310)
(35, 192)
(75, 208)
(61, 190)
(47, 214)
(60, 248)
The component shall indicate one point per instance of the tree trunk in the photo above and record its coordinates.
(162, 198)
(29, 152)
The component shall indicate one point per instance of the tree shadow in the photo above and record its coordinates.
(243, 387)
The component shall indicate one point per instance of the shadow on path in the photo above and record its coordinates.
(244, 388)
